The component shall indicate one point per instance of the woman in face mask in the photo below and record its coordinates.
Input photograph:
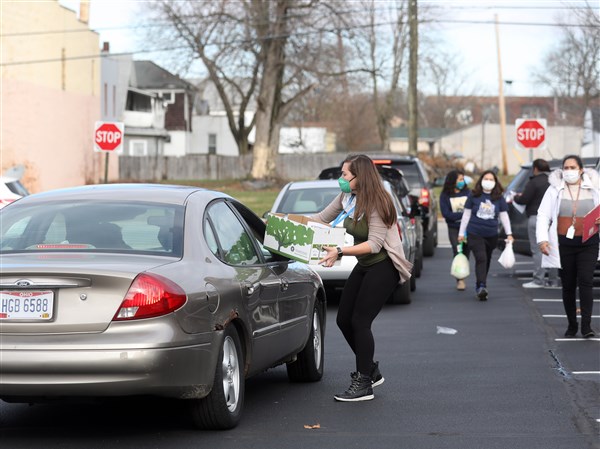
(572, 194)
(368, 214)
(452, 203)
(484, 209)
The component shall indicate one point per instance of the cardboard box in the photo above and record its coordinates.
(300, 238)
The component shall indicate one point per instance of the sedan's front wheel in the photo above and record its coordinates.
(308, 366)
(222, 408)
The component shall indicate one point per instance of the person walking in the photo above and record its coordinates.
(452, 203)
(573, 192)
(531, 198)
(484, 208)
(369, 215)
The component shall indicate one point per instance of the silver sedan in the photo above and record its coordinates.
(121, 290)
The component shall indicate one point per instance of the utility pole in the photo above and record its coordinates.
(501, 102)
(413, 126)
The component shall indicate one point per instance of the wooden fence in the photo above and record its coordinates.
(210, 166)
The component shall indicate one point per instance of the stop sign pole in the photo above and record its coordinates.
(108, 138)
(531, 134)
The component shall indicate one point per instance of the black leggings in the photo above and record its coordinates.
(482, 248)
(364, 294)
(578, 264)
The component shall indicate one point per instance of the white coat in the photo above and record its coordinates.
(547, 217)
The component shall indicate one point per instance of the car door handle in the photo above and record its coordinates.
(284, 284)
(250, 288)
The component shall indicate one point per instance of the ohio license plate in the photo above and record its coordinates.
(26, 305)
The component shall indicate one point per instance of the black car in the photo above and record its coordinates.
(518, 220)
(421, 194)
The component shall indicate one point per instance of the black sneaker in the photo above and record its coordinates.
(359, 390)
(587, 332)
(482, 293)
(571, 331)
(376, 377)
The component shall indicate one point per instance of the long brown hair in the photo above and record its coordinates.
(372, 195)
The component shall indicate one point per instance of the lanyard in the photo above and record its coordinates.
(343, 214)
(574, 209)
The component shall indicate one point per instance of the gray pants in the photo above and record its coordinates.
(539, 273)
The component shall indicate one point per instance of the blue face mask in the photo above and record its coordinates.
(460, 185)
(345, 185)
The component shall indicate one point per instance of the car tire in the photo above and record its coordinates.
(308, 366)
(418, 268)
(222, 408)
(429, 244)
(401, 294)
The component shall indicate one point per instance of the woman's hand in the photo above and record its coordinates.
(330, 257)
(545, 248)
(461, 238)
(510, 238)
(598, 221)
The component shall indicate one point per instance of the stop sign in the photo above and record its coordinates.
(108, 136)
(531, 133)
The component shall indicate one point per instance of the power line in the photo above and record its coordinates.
(344, 12)
(246, 41)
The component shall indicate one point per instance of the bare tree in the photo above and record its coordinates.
(571, 69)
(253, 50)
(380, 40)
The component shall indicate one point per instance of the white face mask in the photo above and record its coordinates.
(571, 176)
(488, 185)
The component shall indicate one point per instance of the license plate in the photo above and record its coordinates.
(26, 305)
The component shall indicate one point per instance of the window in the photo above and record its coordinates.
(107, 226)
(138, 148)
(212, 144)
(236, 245)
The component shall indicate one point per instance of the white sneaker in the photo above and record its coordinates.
(533, 284)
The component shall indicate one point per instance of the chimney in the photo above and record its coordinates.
(84, 11)
(105, 47)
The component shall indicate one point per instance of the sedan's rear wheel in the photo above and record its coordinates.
(308, 366)
(222, 408)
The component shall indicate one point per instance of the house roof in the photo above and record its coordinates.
(148, 75)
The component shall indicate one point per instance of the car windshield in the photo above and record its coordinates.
(307, 201)
(518, 182)
(106, 226)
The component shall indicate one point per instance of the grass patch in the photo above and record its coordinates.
(259, 201)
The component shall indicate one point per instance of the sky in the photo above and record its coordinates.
(524, 36)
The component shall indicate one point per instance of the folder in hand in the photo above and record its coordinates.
(589, 223)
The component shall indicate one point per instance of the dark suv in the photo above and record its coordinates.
(518, 220)
(421, 194)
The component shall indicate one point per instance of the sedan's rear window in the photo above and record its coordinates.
(107, 226)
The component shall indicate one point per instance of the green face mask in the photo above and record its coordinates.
(345, 185)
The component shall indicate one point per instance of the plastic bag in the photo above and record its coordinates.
(507, 258)
(460, 265)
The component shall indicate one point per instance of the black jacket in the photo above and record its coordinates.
(533, 193)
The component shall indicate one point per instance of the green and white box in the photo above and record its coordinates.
(300, 238)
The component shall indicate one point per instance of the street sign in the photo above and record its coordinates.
(108, 137)
(531, 133)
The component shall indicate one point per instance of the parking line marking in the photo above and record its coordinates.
(577, 339)
(564, 316)
(553, 300)
(585, 372)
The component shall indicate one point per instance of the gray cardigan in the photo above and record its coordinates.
(380, 236)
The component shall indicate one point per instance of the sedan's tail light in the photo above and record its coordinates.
(5, 202)
(424, 198)
(150, 295)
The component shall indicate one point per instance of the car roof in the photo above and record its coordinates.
(162, 193)
(301, 185)
(6, 179)
(587, 162)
